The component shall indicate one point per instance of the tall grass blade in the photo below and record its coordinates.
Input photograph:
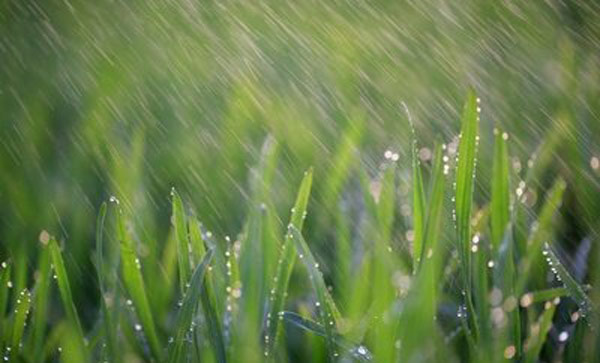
(324, 305)
(465, 177)
(181, 233)
(285, 266)
(5, 286)
(41, 295)
(64, 287)
(500, 189)
(185, 318)
(418, 208)
(134, 285)
(109, 324)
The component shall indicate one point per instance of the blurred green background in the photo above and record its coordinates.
(130, 98)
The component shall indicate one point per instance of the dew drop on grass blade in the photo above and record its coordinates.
(134, 284)
(185, 318)
(285, 266)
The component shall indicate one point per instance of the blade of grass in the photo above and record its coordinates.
(418, 209)
(465, 177)
(5, 285)
(285, 267)
(134, 284)
(356, 350)
(65, 288)
(23, 304)
(185, 317)
(181, 233)
(540, 233)
(41, 295)
(500, 189)
(108, 321)
(324, 305)
(535, 342)
(542, 295)
(573, 288)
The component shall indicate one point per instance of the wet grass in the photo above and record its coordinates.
(458, 279)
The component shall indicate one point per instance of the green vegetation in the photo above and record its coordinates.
(288, 182)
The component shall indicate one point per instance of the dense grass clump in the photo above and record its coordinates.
(472, 277)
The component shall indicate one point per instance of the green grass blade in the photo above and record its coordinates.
(500, 189)
(5, 286)
(185, 318)
(181, 233)
(134, 285)
(465, 177)
(542, 295)
(64, 287)
(324, 305)
(285, 266)
(41, 295)
(108, 320)
(540, 233)
(198, 249)
(355, 350)
(23, 304)
(575, 291)
(418, 208)
(535, 342)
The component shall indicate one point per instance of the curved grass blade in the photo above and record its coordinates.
(134, 284)
(65, 288)
(23, 304)
(183, 250)
(465, 177)
(185, 318)
(573, 288)
(285, 266)
(357, 351)
(325, 306)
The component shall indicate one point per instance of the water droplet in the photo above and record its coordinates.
(563, 336)
(137, 327)
(361, 350)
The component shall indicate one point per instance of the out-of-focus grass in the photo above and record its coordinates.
(133, 98)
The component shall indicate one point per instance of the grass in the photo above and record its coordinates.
(479, 292)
